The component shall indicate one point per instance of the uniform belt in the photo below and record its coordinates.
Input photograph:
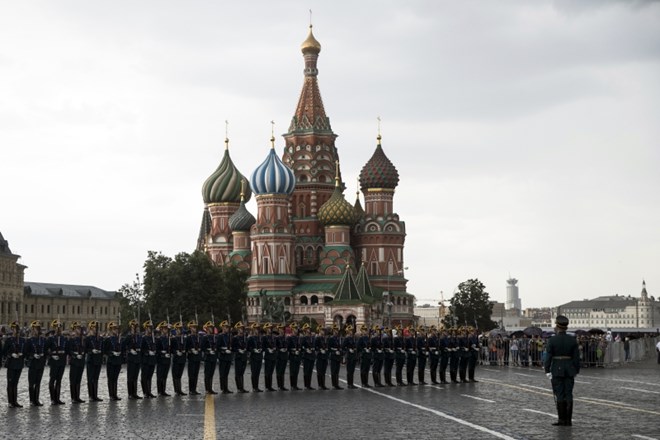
(562, 357)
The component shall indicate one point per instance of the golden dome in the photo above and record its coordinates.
(310, 44)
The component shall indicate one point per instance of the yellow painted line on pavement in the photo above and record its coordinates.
(209, 418)
(579, 399)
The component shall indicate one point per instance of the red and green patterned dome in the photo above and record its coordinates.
(379, 172)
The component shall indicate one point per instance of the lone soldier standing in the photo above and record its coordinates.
(179, 362)
(113, 350)
(76, 350)
(194, 349)
(36, 355)
(562, 364)
(15, 350)
(94, 349)
(131, 347)
(56, 348)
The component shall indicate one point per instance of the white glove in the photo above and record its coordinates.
(152, 353)
(95, 351)
(133, 352)
(179, 352)
(549, 375)
(195, 351)
(227, 351)
(55, 358)
(37, 356)
(79, 356)
(116, 353)
(14, 355)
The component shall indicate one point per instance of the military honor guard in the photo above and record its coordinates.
(164, 358)
(282, 356)
(225, 356)
(36, 362)
(411, 355)
(149, 359)
(388, 363)
(336, 356)
(399, 346)
(239, 348)
(178, 344)
(422, 354)
(256, 356)
(561, 365)
(454, 355)
(270, 355)
(308, 355)
(132, 349)
(464, 353)
(113, 350)
(321, 348)
(94, 350)
(56, 349)
(209, 348)
(349, 346)
(364, 351)
(76, 350)
(378, 355)
(194, 351)
(15, 350)
(293, 345)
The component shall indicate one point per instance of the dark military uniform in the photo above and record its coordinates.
(282, 358)
(434, 355)
(270, 356)
(398, 344)
(411, 358)
(364, 350)
(94, 350)
(474, 349)
(225, 357)
(56, 349)
(309, 356)
(443, 346)
(178, 344)
(454, 356)
(464, 355)
(562, 362)
(321, 348)
(378, 354)
(422, 353)
(76, 350)
(15, 350)
(36, 360)
(350, 348)
(112, 348)
(256, 358)
(388, 348)
(293, 345)
(336, 357)
(194, 350)
(149, 361)
(164, 361)
(239, 347)
(209, 348)
(131, 347)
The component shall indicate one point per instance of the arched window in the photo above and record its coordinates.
(303, 300)
(405, 301)
(314, 300)
(398, 300)
(309, 253)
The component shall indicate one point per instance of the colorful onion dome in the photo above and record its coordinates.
(241, 220)
(337, 211)
(272, 176)
(224, 185)
(310, 45)
(379, 171)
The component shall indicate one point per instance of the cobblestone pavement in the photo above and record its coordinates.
(508, 403)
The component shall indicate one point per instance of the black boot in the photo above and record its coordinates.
(569, 413)
(293, 383)
(561, 414)
(255, 385)
(36, 397)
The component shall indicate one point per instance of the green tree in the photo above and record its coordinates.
(131, 300)
(192, 285)
(470, 306)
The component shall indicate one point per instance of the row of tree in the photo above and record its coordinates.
(192, 286)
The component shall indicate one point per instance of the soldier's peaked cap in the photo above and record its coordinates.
(561, 321)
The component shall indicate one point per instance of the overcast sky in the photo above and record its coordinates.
(526, 134)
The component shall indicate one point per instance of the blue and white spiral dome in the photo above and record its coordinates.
(272, 177)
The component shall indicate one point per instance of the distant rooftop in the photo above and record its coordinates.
(67, 290)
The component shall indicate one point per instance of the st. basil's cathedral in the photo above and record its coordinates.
(309, 251)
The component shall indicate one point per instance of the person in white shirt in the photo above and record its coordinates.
(657, 348)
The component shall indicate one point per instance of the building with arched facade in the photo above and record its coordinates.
(309, 250)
